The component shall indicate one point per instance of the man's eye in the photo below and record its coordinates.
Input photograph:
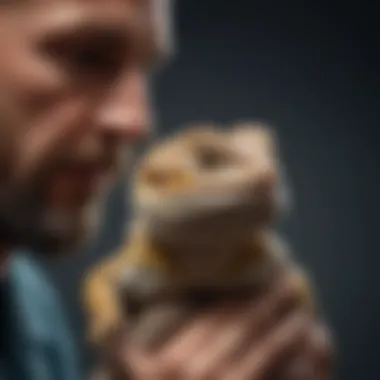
(91, 60)
(87, 57)
(88, 60)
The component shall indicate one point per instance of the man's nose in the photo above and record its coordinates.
(125, 113)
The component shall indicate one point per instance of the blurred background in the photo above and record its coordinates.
(310, 69)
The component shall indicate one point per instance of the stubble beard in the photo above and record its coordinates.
(27, 223)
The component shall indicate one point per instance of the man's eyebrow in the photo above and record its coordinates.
(107, 34)
(86, 26)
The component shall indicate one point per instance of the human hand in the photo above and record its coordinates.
(266, 338)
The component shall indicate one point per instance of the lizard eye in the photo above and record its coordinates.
(210, 158)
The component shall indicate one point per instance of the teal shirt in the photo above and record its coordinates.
(35, 341)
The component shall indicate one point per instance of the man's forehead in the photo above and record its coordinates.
(56, 13)
(158, 12)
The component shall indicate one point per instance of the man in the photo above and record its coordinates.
(73, 95)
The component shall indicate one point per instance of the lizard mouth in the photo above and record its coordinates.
(211, 211)
(213, 221)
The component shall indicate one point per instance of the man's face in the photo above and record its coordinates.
(73, 95)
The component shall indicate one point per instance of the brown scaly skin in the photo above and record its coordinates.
(204, 202)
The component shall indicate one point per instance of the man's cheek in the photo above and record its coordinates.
(39, 85)
(34, 81)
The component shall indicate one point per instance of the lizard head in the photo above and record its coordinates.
(211, 178)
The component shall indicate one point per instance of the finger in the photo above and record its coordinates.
(273, 304)
(49, 134)
(262, 358)
(141, 364)
(193, 336)
(322, 341)
(320, 350)
(300, 368)
(313, 358)
(241, 330)
(159, 324)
